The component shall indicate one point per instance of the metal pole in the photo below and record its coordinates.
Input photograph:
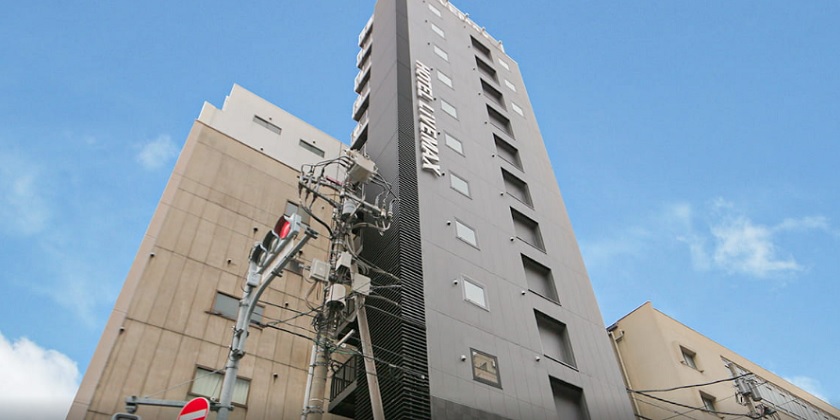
(237, 349)
(243, 319)
(370, 363)
(309, 376)
(319, 374)
(747, 399)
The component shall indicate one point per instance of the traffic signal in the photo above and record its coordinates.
(276, 241)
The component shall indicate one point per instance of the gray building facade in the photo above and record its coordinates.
(495, 316)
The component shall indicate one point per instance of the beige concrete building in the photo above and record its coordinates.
(171, 326)
(657, 352)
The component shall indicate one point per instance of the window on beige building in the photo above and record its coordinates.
(708, 401)
(208, 383)
(689, 357)
(228, 307)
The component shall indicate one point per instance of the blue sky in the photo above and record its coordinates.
(695, 144)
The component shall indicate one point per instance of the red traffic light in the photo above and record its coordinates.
(283, 227)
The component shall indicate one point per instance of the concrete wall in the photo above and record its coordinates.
(223, 195)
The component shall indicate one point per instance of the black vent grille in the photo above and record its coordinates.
(398, 332)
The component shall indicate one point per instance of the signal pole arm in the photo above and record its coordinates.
(263, 255)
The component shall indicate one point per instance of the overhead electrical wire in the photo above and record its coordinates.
(703, 409)
(689, 386)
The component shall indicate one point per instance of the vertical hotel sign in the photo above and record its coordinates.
(429, 153)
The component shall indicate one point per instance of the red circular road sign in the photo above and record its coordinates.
(196, 409)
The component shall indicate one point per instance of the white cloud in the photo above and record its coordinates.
(730, 241)
(28, 208)
(680, 218)
(809, 385)
(718, 237)
(158, 152)
(37, 383)
(803, 224)
(23, 209)
(742, 246)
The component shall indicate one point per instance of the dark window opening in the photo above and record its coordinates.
(539, 279)
(493, 94)
(480, 47)
(485, 69)
(499, 121)
(507, 152)
(527, 230)
(516, 188)
(555, 339)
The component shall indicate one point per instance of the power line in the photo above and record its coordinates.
(664, 408)
(689, 386)
(688, 411)
(703, 409)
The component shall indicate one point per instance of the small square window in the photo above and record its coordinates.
(517, 109)
(438, 31)
(504, 64)
(454, 143)
(465, 233)
(208, 383)
(441, 53)
(474, 292)
(485, 368)
(689, 357)
(510, 85)
(708, 402)
(434, 10)
(448, 108)
(444, 78)
(459, 184)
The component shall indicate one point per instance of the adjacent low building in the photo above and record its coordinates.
(675, 372)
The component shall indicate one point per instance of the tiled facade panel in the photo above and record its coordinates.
(222, 197)
(507, 329)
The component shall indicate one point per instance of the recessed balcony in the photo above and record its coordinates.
(361, 104)
(365, 34)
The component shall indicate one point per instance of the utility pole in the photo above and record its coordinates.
(343, 282)
(747, 388)
(278, 243)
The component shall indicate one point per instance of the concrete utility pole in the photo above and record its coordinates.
(341, 276)
(278, 243)
(747, 388)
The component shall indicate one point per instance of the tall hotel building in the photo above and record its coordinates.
(494, 316)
